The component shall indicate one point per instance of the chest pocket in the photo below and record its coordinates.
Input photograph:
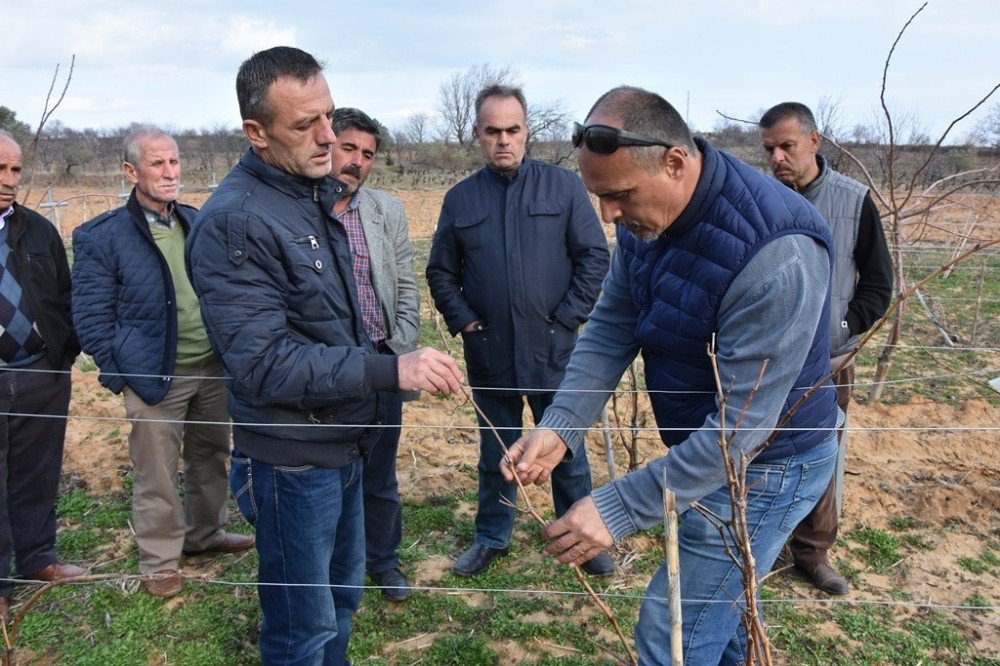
(307, 254)
(471, 230)
(548, 221)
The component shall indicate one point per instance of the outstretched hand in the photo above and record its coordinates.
(534, 456)
(429, 370)
(580, 534)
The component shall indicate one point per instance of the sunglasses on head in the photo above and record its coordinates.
(606, 140)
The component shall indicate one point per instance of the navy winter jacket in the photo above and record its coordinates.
(524, 256)
(123, 300)
(272, 270)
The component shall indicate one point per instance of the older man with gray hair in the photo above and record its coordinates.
(137, 314)
(37, 348)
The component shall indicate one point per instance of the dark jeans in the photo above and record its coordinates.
(31, 450)
(570, 478)
(814, 536)
(310, 530)
(383, 510)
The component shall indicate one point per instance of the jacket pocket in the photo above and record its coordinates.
(307, 252)
(470, 230)
(561, 343)
(477, 346)
(43, 268)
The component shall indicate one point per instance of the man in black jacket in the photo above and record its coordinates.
(37, 348)
(516, 266)
(272, 269)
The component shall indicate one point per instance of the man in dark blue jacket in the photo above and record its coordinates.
(137, 314)
(272, 267)
(516, 265)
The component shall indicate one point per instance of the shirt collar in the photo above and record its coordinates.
(355, 200)
(156, 219)
(5, 214)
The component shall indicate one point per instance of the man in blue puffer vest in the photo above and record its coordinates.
(136, 313)
(707, 246)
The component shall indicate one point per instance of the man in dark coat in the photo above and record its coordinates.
(273, 271)
(516, 266)
(37, 348)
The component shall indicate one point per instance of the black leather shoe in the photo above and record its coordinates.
(394, 585)
(476, 559)
(825, 578)
(600, 566)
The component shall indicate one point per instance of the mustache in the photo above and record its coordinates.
(8, 190)
(352, 170)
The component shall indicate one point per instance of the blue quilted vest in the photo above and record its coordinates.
(679, 281)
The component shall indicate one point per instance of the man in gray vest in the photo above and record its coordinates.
(861, 291)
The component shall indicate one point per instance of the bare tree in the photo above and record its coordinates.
(417, 127)
(987, 132)
(457, 98)
(899, 195)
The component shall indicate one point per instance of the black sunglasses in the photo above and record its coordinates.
(606, 140)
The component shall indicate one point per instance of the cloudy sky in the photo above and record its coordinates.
(174, 63)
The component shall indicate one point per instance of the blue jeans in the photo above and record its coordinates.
(781, 494)
(570, 478)
(310, 529)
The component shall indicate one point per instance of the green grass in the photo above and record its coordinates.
(110, 623)
(879, 549)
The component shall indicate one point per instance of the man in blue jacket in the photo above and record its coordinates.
(708, 248)
(272, 267)
(137, 315)
(516, 265)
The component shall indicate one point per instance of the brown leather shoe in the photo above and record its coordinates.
(231, 543)
(825, 577)
(164, 583)
(4, 609)
(57, 571)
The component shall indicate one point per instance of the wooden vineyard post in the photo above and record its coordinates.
(673, 573)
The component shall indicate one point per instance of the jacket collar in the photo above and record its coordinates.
(327, 188)
(504, 180)
(817, 182)
(713, 174)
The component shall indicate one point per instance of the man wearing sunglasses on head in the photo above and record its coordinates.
(516, 265)
(708, 249)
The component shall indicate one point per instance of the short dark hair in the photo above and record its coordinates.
(648, 114)
(262, 69)
(347, 117)
(779, 112)
(497, 90)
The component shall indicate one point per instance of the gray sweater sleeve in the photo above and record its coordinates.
(605, 348)
(771, 307)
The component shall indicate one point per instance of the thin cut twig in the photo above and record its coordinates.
(580, 576)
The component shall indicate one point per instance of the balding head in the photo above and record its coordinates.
(645, 113)
(643, 189)
(10, 170)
